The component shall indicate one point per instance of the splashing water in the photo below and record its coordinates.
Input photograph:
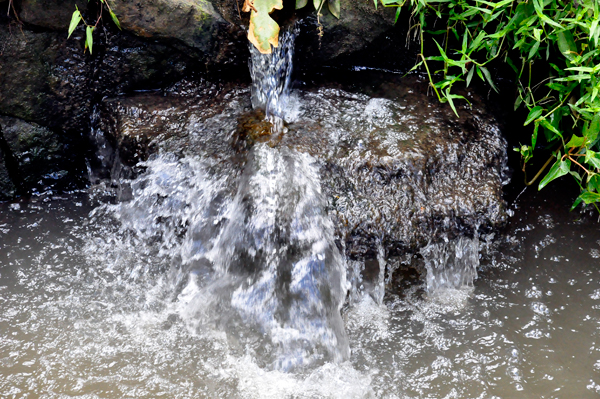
(271, 76)
(451, 264)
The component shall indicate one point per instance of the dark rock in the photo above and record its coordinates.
(50, 14)
(359, 25)
(7, 188)
(41, 159)
(44, 79)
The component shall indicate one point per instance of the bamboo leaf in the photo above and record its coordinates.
(470, 75)
(115, 19)
(75, 19)
(89, 38)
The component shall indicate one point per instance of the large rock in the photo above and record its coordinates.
(50, 14)
(44, 78)
(397, 174)
(39, 157)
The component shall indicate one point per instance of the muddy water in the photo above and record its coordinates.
(76, 322)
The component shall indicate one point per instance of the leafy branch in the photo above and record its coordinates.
(77, 17)
(529, 36)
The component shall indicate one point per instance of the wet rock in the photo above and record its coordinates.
(7, 187)
(40, 160)
(50, 14)
(397, 173)
(44, 79)
(329, 38)
(195, 23)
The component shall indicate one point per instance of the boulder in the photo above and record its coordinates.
(49, 14)
(39, 158)
(397, 173)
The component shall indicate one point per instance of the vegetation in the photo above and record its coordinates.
(553, 48)
(89, 28)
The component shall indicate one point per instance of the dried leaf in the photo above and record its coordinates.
(264, 31)
(249, 6)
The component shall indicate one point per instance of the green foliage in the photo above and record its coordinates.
(553, 48)
(76, 18)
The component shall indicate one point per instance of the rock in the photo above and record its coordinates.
(49, 14)
(7, 187)
(195, 23)
(397, 173)
(44, 79)
(41, 159)
(358, 26)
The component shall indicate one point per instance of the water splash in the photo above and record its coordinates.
(271, 76)
(451, 264)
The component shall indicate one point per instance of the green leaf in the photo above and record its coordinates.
(398, 9)
(589, 197)
(75, 19)
(318, 4)
(534, 135)
(549, 126)
(89, 38)
(488, 77)
(115, 19)
(264, 31)
(567, 45)
(334, 7)
(470, 75)
(592, 158)
(577, 202)
(576, 142)
(301, 4)
(560, 168)
(533, 115)
(592, 132)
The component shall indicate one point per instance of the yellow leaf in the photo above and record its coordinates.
(264, 31)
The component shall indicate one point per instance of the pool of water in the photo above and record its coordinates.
(84, 313)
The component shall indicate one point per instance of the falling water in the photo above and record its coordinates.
(271, 76)
(451, 264)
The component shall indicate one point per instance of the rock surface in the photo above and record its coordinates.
(39, 159)
(397, 173)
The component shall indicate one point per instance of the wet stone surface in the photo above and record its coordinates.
(398, 172)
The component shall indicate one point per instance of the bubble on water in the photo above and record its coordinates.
(595, 253)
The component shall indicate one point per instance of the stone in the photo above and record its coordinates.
(49, 14)
(41, 158)
(397, 173)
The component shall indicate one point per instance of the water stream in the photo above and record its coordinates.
(217, 282)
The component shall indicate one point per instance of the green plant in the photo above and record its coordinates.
(89, 28)
(553, 48)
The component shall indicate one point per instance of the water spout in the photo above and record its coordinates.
(271, 76)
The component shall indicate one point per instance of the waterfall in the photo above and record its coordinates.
(271, 76)
(451, 264)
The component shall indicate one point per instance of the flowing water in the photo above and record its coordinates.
(216, 282)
